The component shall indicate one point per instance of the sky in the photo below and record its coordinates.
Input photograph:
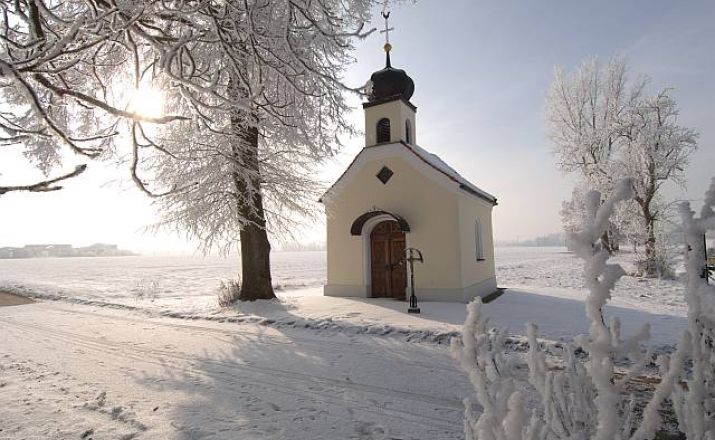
(481, 71)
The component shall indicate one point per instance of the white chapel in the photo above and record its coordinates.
(396, 195)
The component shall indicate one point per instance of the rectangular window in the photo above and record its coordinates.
(479, 240)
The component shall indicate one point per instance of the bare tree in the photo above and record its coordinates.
(254, 165)
(657, 151)
(584, 113)
(252, 92)
(605, 128)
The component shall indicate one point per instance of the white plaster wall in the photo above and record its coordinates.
(397, 112)
(430, 208)
(473, 271)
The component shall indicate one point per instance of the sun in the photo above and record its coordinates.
(147, 101)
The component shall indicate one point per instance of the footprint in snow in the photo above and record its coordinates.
(369, 431)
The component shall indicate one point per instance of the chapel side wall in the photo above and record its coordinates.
(430, 209)
(477, 274)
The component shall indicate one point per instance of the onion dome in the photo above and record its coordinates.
(390, 83)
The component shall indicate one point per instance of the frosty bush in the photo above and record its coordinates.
(694, 400)
(146, 288)
(665, 259)
(228, 292)
(586, 399)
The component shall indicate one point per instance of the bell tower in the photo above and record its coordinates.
(389, 114)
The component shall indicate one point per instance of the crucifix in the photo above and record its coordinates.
(386, 31)
(412, 255)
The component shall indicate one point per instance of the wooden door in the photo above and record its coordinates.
(388, 270)
(398, 274)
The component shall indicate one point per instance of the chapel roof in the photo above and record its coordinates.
(390, 83)
(441, 166)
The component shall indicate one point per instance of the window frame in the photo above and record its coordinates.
(479, 240)
(382, 125)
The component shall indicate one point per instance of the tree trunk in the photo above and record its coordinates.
(255, 247)
(651, 260)
(255, 264)
(606, 242)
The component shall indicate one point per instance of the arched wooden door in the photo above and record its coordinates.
(388, 270)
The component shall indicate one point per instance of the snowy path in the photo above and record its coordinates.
(69, 371)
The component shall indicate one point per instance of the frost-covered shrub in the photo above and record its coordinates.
(694, 397)
(582, 398)
(669, 247)
(228, 291)
(664, 266)
(566, 408)
(146, 289)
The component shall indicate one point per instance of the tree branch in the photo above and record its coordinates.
(46, 185)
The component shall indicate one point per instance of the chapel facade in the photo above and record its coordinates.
(396, 195)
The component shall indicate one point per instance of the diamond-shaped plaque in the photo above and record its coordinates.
(384, 174)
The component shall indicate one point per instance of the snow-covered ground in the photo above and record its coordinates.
(555, 267)
(106, 358)
(76, 372)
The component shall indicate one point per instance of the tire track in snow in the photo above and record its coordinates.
(159, 358)
(232, 329)
(350, 404)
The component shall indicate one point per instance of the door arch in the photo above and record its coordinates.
(388, 271)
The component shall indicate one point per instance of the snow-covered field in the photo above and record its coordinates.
(556, 269)
(191, 282)
(544, 287)
(166, 282)
(106, 358)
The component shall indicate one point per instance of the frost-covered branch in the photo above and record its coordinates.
(77, 74)
(695, 402)
(481, 354)
(45, 185)
(578, 399)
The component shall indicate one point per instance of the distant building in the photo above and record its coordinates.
(7, 252)
(62, 250)
(47, 250)
(98, 250)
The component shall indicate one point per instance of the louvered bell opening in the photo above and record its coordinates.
(383, 130)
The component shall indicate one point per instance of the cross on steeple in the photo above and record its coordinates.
(386, 31)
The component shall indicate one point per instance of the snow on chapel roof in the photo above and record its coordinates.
(441, 166)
